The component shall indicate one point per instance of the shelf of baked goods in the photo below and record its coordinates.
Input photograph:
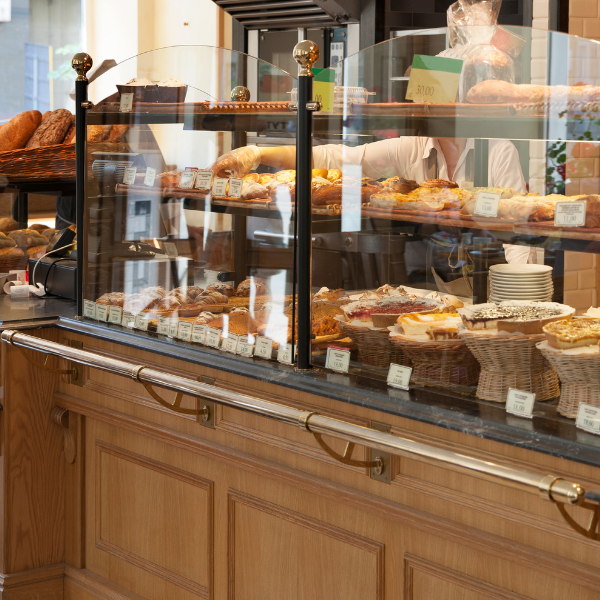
(434, 201)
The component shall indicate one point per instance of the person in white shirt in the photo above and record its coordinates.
(406, 157)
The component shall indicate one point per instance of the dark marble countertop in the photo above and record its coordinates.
(547, 432)
(24, 312)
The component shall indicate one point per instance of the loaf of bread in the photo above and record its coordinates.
(36, 251)
(8, 224)
(38, 227)
(16, 133)
(8, 253)
(6, 242)
(70, 135)
(98, 133)
(497, 91)
(117, 133)
(26, 238)
(52, 130)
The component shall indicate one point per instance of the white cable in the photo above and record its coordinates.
(32, 282)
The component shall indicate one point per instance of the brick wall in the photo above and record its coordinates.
(584, 18)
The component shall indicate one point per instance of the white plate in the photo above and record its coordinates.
(498, 300)
(521, 269)
(520, 279)
(521, 288)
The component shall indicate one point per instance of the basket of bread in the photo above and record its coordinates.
(431, 343)
(503, 338)
(571, 348)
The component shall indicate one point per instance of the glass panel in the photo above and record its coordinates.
(168, 249)
(420, 199)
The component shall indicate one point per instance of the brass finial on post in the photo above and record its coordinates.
(240, 94)
(82, 63)
(306, 54)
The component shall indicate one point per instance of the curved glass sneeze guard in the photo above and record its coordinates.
(165, 254)
(516, 152)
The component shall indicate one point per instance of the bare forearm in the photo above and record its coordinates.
(279, 157)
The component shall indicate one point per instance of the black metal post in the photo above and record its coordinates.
(305, 54)
(82, 63)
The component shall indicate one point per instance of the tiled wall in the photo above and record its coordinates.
(584, 18)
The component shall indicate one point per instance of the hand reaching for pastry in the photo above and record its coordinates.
(237, 163)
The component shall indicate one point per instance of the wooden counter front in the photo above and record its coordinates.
(122, 499)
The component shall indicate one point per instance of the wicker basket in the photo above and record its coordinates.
(579, 376)
(448, 364)
(511, 361)
(374, 347)
(39, 164)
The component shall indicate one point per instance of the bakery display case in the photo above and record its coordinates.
(172, 249)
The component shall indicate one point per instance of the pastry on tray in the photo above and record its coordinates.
(514, 316)
(573, 333)
(439, 183)
(436, 326)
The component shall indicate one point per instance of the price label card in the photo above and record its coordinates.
(203, 180)
(264, 347)
(126, 103)
(102, 312)
(141, 321)
(89, 309)
(219, 187)
(324, 88)
(213, 337)
(245, 347)
(128, 319)
(186, 179)
(129, 175)
(199, 333)
(434, 79)
(115, 314)
(570, 214)
(284, 354)
(588, 418)
(230, 343)
(184, 331)
(150, 175)
(399, 376)
(338, 359)
(235, 187)
(164, 323)
(173, 327)
(520, 403)
(487, 204)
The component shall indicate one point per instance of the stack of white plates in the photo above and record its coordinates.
(521, 282)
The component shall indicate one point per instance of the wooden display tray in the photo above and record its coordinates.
(547, 228)
(196, 107)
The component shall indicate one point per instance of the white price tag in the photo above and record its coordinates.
(199, 333)
(487, 204)
(338, 359)
(230, 343)
(570, 214)
(399, 376)
(244, 347)
(141, 321)
(235, 187)
(264, 347)
(184, 331)
(89, 309)
(203, 180)
(588, 418)
(213, 337)
(129, 175)
(520, 403)
(173, 327)
(164, 323)
(128, 319)
(126, 102)
(102, 312)
(219, 187)
(284, 354)
(150, 175)
(186, 180)
(115, 315)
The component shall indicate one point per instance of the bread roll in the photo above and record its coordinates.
(320, 173)
(8, 224)
(16, 133)
(38, 227)
(36, 251)
(26, 238)
(52, 130)
(98, 133)
(46, 114)
(7, 253)
(117, 133)
(6, 242)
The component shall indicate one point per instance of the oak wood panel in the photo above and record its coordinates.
(44, 583)
(74, 497)
(299, 558)
(155, 517)
(478, 541)
(82, 584)
(33, 465)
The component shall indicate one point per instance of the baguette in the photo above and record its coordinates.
(16, 133)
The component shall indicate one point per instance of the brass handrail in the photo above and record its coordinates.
(548, 487)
